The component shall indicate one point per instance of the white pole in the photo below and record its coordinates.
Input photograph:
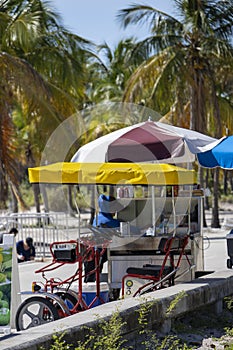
(79, 220)
(174, 211)
(153, 208)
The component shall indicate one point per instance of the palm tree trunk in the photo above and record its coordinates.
(71, 207)
(197, 108)
(197, 113)
(35, 187)
(14, 206)
(225, 175)
(42, 190)
(36, 193)
(3, 192)
(45, 197)
(218, 134)
(231, 181)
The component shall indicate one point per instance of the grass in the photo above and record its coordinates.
(187, 332)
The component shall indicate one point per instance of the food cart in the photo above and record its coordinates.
(156, 235)
(172, 216)
(157, 199)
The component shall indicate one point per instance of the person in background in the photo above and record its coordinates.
(25, 250)
(13, 231)
(104, 219)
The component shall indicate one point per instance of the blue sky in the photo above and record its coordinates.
(96, 19)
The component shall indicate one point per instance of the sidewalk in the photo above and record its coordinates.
(225, 218)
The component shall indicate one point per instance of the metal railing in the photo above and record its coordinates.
(44, 228)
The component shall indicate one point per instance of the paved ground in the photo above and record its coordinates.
(215, 242)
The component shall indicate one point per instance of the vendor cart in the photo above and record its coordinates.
(167, 217)
(165, 205)
(157, 234)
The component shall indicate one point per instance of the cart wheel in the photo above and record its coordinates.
(35, 311)
(229, 263)
(68, 298)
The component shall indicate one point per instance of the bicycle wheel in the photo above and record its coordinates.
(68, 298)
(35, 311)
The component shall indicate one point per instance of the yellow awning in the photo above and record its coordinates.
(112, 173)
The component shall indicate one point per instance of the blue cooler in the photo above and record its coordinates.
(89, 293)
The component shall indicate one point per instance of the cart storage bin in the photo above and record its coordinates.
(89, 293)
(65, 252)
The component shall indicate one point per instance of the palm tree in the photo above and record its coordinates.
(42, 69)
(186, 55)
(110, 74)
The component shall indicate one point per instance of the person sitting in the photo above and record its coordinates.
(104, 219)
(25, 250)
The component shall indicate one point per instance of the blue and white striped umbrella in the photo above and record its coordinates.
(221, 155)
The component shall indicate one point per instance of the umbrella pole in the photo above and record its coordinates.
(79, 220)
(96, 205)
(153, 207)
(174, 211)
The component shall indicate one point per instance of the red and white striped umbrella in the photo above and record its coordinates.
(145, 142)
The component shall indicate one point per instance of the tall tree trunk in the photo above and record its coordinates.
(35, 187)
(218, 134)
(197, 107)
(18, 196)
(225, 177)
(14, 206)
(231, 181)
(45, 197)
(71, 207)
(111, 190)
(197, 114)
(36, 193)
(3, 192)
(43, 192)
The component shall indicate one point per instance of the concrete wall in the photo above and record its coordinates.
(206, 290)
